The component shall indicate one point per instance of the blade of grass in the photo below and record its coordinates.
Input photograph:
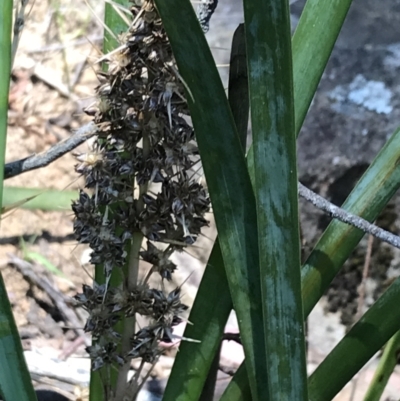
(15, 381)
(268, 40)
(360, 344)
(37, 198)
(384, 370)
(313, 41)
(238, 88)
(227, 178)
(183, 383)
(37, 257)
(5, 73)
(238, 388)
(115, 23)
(207, 319)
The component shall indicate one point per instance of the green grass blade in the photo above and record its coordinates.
(38, 258)
(207, 321)
(313, 41)
(368, 198)
(385, 368)
(360, 344)
(268, 39)
(43, 199)
(5, 73)
(238, 388)
(115, 23)
(15, 381)
(238, 88)
(213, 301)
(227, 178)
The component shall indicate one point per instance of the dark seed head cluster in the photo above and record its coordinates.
(139, 183)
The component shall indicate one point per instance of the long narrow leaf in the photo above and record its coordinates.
(15, 381)
(227, 178)
(268, 39)
(207, 321)
(313, 41)
(114, 23)
(238, 88)
(213, 301)
(373, 330)
(385, 368)
(36, 198)
(5, 73)
(207, 308)
(238, 388)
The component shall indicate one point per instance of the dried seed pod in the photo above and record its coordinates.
(138, 182)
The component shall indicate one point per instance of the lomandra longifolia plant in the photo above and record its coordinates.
(143, 201)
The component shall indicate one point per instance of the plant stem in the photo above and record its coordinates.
(129, 324)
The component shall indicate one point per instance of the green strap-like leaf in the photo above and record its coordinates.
(238, 388)
(313, 41)
(373, 330)
(115, 23)
(15, 381)
(268, 39)
(213, 300)
(227, 178)
(207, 321)
(387, 363)
(238, 88)
(33, 198)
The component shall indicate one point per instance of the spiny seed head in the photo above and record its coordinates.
(139, 181)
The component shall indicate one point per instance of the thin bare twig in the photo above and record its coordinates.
(43, 159)
(348, 218)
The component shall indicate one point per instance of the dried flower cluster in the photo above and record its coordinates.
(140, 188)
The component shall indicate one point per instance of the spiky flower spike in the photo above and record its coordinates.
(143, 203)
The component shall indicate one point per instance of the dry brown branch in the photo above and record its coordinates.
(43, 159)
